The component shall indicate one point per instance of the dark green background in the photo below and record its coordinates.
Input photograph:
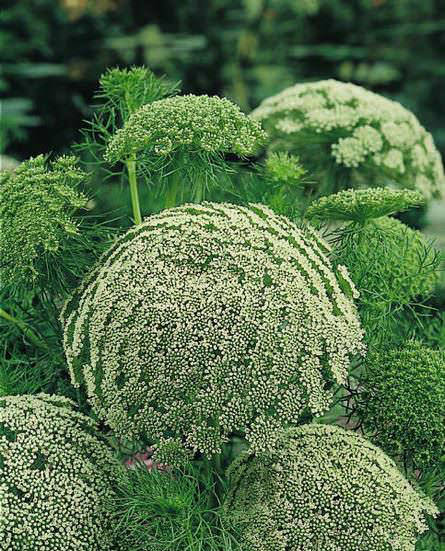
(53, 52)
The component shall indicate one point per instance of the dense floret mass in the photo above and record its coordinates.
(193, 123)
(37, 202)
(55, 477)
(363, 204)
(209, 319)
(390, 263)
(402, 403)
(351, 127)
(324, 488)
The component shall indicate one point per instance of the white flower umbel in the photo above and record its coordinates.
(324, 488)
(211, 319)
(340, 125)
(55, 477)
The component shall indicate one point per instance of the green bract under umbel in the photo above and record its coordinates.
(188, 123)
(402, 402)
(360, 205)
(211, 319)
(37, 203)
(55, 477)
(355, 137)
(324, 488)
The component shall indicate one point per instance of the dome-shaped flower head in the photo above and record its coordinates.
(324, 488)
(210, 319)
(55, 477)
(359, 205)
(402, 402)
(191, 124)
(353, 136)
(37, 203)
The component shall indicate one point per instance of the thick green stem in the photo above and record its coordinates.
(24, 328)
(172, 191)
(131, 167)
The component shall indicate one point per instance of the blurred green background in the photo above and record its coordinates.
(53, 52)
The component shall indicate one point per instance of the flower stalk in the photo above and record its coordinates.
(131, 167)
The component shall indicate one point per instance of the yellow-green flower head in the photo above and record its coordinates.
(192, 123)
(283, 168)
(324, 488)
(37, 201)
(402, 404)
(55, 477)
(389, 262)
(209, 319)
(363, 204)
(354, 128)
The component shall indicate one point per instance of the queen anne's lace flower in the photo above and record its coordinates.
(353, 128)
(324, 488)
(55, 477)
(209, 319)
(363, 204)
(194, 123)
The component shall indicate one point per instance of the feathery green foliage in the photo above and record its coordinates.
(284, 168)
(324, 488)
(402, 402)
(120, 93)
(168, 511)
(37, 225)
(391, 265)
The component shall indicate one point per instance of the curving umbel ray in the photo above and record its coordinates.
(211, 319)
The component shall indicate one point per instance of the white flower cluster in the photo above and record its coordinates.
(55, 476)
(324, 488)
(197, 123)
(209, 319)
(360, 129)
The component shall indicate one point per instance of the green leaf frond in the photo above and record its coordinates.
(168, 511)
(392, 266)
